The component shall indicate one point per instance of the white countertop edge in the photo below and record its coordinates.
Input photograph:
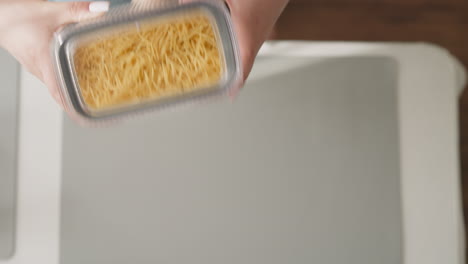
(356, 49)
(38, 193)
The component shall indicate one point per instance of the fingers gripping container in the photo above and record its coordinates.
(140, 58)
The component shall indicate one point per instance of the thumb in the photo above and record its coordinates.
(73, 12)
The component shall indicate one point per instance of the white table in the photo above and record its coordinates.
(427, 81)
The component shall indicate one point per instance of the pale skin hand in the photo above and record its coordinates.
(254, 20)
(27, 27)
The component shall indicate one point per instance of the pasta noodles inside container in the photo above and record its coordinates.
(148, 61)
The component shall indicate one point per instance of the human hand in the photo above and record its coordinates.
(254, 20)
(28, 26)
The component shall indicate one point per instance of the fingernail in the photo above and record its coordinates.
(99, 7)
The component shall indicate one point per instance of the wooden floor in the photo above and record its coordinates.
(442, 22)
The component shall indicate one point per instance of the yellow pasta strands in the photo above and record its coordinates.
(151, 62)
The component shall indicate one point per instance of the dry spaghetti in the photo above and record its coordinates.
(150, 62)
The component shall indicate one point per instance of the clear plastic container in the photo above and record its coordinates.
(143, 58)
